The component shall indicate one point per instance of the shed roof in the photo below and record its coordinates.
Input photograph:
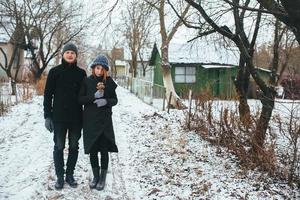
(201, 53)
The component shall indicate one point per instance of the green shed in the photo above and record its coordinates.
(209, 71)
(189, 73)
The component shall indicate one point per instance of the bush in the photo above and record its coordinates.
(40, 85)
(222, 126)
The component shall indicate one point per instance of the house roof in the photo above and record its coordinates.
(217, 66)
(120, 63)
(201, 53)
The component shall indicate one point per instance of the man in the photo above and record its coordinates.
(63, 113)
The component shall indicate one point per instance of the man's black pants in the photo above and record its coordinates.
(60, 132)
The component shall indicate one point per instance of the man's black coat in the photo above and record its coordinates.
(61, 93)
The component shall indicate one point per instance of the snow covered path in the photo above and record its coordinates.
(27, 170)
(157, 159)
(24, 150)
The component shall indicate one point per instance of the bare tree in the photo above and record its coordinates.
(15, 32)
(47, 26)
(50, 21)
(138, 24)
(144, 63)
(166, 37)
(288, 55)
(286, 11)
(284, 49)
(246, 48)
(288, 124)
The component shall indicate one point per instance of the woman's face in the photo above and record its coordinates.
(69, 56)
(99, 70)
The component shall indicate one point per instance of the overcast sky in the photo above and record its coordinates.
(103, 26)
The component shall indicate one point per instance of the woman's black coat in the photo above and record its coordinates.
(98, 132)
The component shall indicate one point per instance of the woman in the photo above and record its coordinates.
(98, 95)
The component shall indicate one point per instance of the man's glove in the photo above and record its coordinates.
(98, 94)
(49, 124)
(100, 102)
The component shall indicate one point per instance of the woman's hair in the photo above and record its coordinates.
(105, 74)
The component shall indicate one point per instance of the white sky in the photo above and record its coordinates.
(100, 34)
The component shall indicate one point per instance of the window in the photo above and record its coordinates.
(185, 74)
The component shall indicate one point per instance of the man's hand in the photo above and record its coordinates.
(49, 124)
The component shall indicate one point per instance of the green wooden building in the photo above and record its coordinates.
(203, 72)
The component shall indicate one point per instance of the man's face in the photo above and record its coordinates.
(69, 56)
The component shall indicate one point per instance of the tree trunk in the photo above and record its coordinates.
(13, 86)
(134, 64)
(167, 79)
(275, 63)
(241, 84)
(144, 72)
(267, 100)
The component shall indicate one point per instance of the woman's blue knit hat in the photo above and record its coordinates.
(100, 60)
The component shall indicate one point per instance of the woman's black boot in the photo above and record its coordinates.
(101, 183)
(95, 179)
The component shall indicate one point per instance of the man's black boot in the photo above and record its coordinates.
(59, 183)
(71, 181)
(95, 179)
(101, 183)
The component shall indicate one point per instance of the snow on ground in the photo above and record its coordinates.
(157, 159)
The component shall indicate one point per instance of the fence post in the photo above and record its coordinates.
(164, 99)
(190, 109)
(151, 93)
(169, 102)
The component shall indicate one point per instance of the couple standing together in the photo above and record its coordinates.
(67, 89)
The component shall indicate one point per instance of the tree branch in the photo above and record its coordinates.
(225, 32)
(152, 4)
(182, 19)
(273, 11)
(179, 22)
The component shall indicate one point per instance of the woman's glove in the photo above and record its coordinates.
(98, 94)
(100, 102)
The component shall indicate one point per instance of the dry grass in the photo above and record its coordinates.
(25, 92)
(4, 104)
(40, 85)
(227, 130)
(4, 107)
(289, 128)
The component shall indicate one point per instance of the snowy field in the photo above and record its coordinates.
(157, 159)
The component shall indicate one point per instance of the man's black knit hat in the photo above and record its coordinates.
(70, 47)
